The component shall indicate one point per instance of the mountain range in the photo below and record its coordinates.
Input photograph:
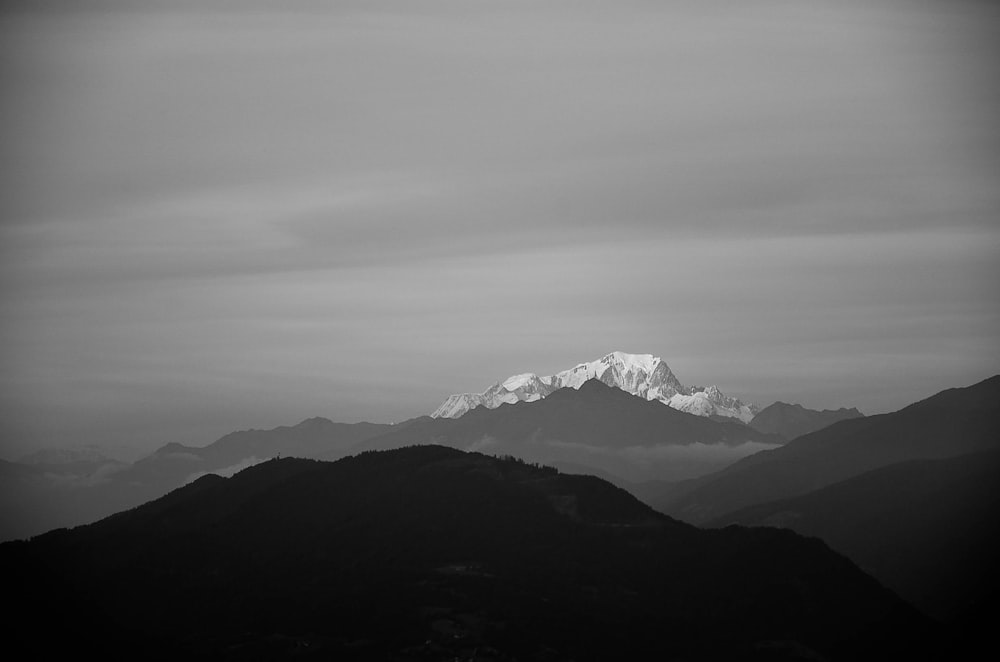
(43, 495)
(590, 428)
(954, 422)
(595, 426)
(927, 529)
(910, 497)
(610, 435)
(792, 420)
(642, 375)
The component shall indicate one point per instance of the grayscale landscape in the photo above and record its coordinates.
(500, 329)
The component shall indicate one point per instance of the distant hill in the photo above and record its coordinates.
(596, 425)
(928, 529)
(431, 553)
(51, 495)
(312, 438)
(791, 421)
(951, 423)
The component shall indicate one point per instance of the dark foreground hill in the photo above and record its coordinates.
(928, 529)
(430, 553)
(951, 423)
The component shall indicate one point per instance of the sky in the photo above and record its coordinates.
(219, 216)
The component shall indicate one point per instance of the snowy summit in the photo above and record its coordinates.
(642, 375)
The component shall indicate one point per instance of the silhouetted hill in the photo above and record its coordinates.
(429, 553)
(50, 501)
(791, 421)
(927, 529)
(596, 425)
(951, 423)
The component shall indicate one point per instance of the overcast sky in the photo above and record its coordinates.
(217, 217)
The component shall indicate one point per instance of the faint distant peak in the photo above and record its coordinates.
(314, 422)
(794, 420)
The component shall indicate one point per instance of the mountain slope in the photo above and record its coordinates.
(595, 425)
(927, 529)
(791, 421)
(951, 423)
(642, 375)
(430, 553)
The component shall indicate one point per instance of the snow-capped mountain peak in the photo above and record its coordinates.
(642, 375)
(517, 381)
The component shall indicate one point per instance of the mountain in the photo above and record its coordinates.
(428, 553)
(642, 375)
(174, 464)
(954, 422)
(313, 437)
(791, 421)
(927, 529)
(594, 425)
(51, 498)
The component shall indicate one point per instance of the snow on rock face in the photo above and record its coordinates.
(458, 404)
(711, 402)
(643, 375)
(517, 381)
(519, 388)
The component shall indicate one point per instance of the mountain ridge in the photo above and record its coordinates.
(597, 425)
(950, 423)
(36, 501)
(643, 375)
(794, 420)
(925, 528)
